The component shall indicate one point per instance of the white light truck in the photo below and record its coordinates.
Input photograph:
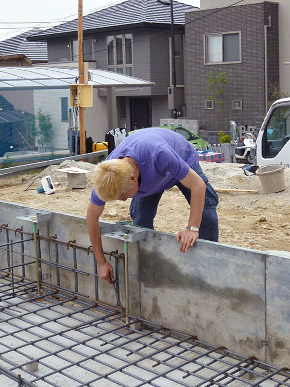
(273, 145)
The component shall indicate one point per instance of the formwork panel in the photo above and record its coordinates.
(214, 290)
(278, 315)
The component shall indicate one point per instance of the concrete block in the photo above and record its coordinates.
(32, 367)
(76, 180)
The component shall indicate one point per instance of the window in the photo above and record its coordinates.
(64, 109)
(178, 45)
(88, 50)
(185, 133)
(237, 104)
(74, 50)
(222, 48)
(277, 132)
(119, 53)
(209, 105)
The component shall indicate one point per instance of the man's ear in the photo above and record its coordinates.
(134, 177)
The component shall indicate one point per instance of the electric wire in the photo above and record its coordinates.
(166, 31)
(158, 33)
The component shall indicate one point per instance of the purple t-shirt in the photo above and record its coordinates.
(162, 155)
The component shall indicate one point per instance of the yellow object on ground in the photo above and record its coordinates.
(97, 146)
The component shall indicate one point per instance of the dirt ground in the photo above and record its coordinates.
(254, 220)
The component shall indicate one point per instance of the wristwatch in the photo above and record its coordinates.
(193, 228)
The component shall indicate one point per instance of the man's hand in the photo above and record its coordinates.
(187, 238)
(106, 272)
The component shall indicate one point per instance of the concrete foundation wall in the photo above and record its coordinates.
(224, 295)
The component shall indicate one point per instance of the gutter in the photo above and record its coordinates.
(45, 37)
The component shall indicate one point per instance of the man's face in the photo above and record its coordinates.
(131, 191)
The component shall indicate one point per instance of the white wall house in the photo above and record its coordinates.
(56, 103)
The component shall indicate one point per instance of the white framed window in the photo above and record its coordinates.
(119, 53)
(237, 104)
(222, 48)
(209, 104)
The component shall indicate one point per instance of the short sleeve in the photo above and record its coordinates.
(96, 200)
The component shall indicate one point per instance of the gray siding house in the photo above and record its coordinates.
(131, 38)
(243, 43)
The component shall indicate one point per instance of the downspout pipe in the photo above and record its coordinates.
(266, 26)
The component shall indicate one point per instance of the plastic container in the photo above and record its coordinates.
(272, 178)
(97, 146)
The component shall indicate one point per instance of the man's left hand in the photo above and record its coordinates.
(187, 238)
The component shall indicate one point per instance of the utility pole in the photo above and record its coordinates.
(81, 77)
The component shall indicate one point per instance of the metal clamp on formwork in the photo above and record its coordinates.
(127, 233)
(38, 217)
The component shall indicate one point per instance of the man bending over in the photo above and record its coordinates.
(145, 164)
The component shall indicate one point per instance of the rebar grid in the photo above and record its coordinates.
(59, 337)
(19, 258)
(75, 342)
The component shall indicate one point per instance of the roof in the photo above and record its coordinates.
(5, 105)
(13, 116)
(61, 78)
(35, 51)
(129, 13)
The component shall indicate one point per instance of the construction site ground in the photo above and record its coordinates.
(253, 220)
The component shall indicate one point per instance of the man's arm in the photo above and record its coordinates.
(197, 186)
(105, 270)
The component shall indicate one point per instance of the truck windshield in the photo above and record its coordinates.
(277, 132)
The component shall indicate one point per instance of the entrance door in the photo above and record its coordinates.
(141, 114)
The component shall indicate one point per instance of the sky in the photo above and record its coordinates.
(18, 16)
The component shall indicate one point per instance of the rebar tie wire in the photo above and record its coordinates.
(71, 244)
(222, 377)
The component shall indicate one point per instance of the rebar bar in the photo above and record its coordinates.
(125, 236)
(76, 341)
(36, 254)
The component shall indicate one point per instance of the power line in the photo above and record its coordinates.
(167, 30)
(56, 21)
(158, 33)
(40, 23)
(214, 12)
(32, 22)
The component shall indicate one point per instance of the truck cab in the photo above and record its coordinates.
(273, 145)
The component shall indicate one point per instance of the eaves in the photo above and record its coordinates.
(73, 33)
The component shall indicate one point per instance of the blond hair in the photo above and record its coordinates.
(111, 178)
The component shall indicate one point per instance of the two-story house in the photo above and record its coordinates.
(132, 38)
(232, 61)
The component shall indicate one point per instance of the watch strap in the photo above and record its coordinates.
(193, 228)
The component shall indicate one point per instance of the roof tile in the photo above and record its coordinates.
(128, 12)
